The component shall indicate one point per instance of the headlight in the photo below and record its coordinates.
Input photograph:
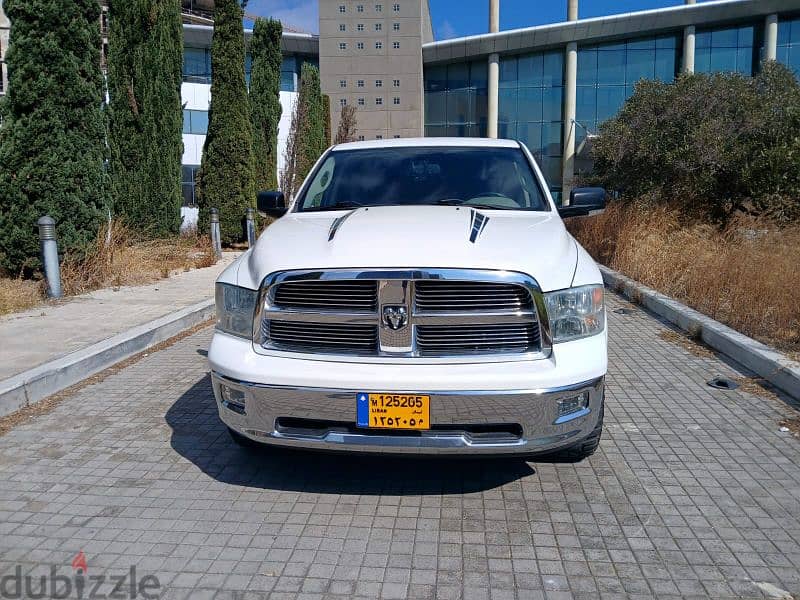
(235, 308)
(575, 312)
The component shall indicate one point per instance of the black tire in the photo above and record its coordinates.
(244, 441)
(586, 447)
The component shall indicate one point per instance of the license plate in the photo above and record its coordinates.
(393, 411)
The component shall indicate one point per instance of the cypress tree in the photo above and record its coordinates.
(225, 180)
(312, 128)
(265, 102)
(145, 116)
(52, 140)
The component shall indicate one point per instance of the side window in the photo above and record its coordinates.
(316, 192)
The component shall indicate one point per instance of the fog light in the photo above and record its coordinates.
(573, 404)
(232, 399)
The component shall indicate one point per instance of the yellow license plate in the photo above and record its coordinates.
(393, 411)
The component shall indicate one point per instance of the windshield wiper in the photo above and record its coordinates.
(467, 204)
(338, 206)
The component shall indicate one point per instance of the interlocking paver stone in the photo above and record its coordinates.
(694, 492)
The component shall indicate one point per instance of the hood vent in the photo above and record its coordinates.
(477, 224)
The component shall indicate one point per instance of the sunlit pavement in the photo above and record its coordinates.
(694, 492)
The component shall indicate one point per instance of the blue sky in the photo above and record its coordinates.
(454, 18)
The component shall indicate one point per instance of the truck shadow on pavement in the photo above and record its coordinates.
(199, 436)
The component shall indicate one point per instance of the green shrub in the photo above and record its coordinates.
(716, 144)
(265, 102)
(145, 116)
(312, 129)
(52, 139)
(225, 180)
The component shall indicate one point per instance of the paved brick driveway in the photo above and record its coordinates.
(694, 492)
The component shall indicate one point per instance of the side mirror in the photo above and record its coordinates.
(584, 201)
(271, 203)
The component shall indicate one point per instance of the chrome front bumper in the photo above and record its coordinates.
(523, 421)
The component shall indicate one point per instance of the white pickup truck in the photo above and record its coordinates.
(419, 296)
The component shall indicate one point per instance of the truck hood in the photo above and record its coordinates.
(535, 243)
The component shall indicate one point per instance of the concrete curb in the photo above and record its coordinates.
(767, 362)
(30, 386)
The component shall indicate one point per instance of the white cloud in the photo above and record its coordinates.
(446, 31)
(295, 14)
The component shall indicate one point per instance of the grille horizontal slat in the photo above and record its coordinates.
(353, 296)
(438, 296)
(521, 337)
(292, 335)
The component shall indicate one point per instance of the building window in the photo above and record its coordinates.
(396, 136)
(360, 83)
(195, 121)
(607, 74)
(342, 27)
(378, 45)
(342, 8)
(361, 102)
(342, 101)
(789, 43)
(360, 27)
(396, 100)
(726, 49)
(396, 26)
(396, 45)
(360, 8)
(361, 138)
(197, 65)
(396, 7)
(378, 137)
(379, 83)
(379, 101)
(342, 45)
(395, 83)
(360, 45)
(378, 7)
(343, 83)
(378, 26)
(188, 173)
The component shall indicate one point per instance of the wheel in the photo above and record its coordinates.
(243, 441)
(586, 447)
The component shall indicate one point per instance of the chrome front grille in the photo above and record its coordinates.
(477, 339)
(430, 313)
(469, 295)
(328, 295)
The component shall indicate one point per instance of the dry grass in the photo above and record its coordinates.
(19, 294)
(746, 275)
(691, 346)
(117, 258)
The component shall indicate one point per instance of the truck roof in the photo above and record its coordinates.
(462, 142)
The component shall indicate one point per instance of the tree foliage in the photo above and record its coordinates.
(716, 144)
(307, 137)
(348, 125)
(226, 177)
(265, 102)
(52, 140)
(145, 116)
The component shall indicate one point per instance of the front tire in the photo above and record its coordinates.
(587, 446)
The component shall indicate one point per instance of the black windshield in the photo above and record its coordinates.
(490, 177)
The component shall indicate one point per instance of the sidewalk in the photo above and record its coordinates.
(49, 332)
